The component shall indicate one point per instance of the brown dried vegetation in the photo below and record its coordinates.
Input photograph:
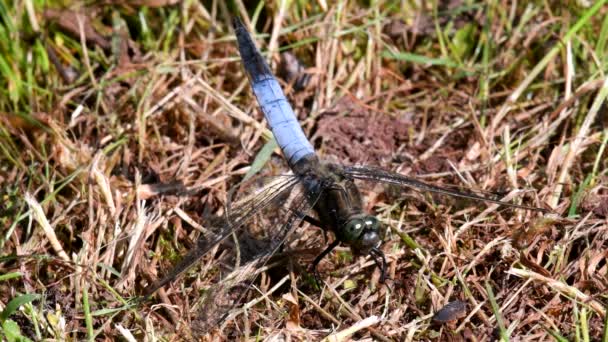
(123, 134)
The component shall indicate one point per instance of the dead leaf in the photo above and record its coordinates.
(293, 71)
(523, 258)
(293, 323)
(68, 21)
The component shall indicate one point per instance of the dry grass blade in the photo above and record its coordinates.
(126, 127)
(579, 140)
(345, 334)
(564, 289)
(39, 216)
(543, 63)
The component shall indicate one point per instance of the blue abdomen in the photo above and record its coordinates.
(278, 112)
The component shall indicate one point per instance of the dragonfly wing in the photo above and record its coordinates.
(218, 303)
(383, 176)
(242, 212)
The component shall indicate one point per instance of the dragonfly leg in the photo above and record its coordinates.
(319, 224)
(318, 259)
(377, 254)
(314, 222)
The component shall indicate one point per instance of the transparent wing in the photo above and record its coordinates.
(220, 298)
(237, 215)
(383, 176)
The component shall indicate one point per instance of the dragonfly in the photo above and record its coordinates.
(326, 189)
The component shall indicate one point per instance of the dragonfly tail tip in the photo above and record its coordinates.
(237, 23)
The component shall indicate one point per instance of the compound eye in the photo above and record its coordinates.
(353, 228)
(371, 222)
(370, 239)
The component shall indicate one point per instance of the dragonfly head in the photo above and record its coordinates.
(361, 232)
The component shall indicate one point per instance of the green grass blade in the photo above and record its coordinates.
(504, 335)
(261, 158)
(16, 302)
